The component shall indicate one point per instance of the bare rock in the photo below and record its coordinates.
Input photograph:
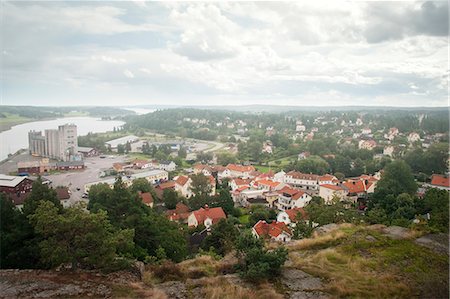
(174, 289)
(324, 229)
(436, 242)
(297, 280)
(308, 295)
(396, 232)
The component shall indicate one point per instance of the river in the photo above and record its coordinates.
(16, 138)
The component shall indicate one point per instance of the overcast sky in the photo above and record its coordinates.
(310, 53)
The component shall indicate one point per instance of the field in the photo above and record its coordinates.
(11, 120)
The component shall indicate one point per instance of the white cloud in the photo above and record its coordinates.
(285, 52)
(128, 74)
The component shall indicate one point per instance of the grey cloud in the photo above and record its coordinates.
(386, 21)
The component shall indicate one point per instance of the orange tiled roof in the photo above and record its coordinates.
(292, 213)
(332, 187)
(181, 180)
(240, 168)
(273, 229)
(440, 180)
(214, 213)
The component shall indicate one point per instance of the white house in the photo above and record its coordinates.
(206, 216)
(329, 191)
(413, 137)
(289, 198)
(290, 217)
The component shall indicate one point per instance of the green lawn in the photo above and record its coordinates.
(244, 219)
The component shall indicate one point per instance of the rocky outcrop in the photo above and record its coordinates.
(302, 285)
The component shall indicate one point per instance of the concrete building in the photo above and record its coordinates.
(36, 143)
(52, 143)
(68, 142)
(60, 144)
(113, 144)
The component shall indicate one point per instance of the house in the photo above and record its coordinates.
(87, 151)
(146, 198)
(113, 144)
(413, 137)
(35, 167)
(388, 151)
(204, 169)
(329, 192)
(366, 131)
(159, 189)
(267, 147)
(440, 182)
(357, 189)
(63, 195)
(180, 213)
(206, 216)
(279, 176)
(141, 164)
(367, 144)
(155, 176)
(271, 198)
(302, 180)
(290, 217)
(327, 179)
(275, 231)
(359, 122)
(69, 165)
(183, 186)
(303, 155)
(289, 198)
(268, 185)
(238, 183)
(15, 184)
(246, 196)
(167, 165)
(240, 171)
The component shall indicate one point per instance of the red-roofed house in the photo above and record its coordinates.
(206, 216)
(268, 185)
(330, 191)
(183, 185)
(240, 170)
(289, 198)
(441, 182)
(358, 189)
(159, 190)
(238, 183)
(290, 217)
(146, 198)
(180, 213)
(276, 231)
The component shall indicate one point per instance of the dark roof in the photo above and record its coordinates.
(62, 193)
(70, 163)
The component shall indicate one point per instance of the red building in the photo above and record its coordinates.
(16, 185)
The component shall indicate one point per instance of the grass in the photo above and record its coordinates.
(244, 219)
(218, 288)
(358, 266)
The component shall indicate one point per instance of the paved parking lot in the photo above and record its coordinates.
(77, 179)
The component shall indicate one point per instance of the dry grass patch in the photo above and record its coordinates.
(352, 276)
(318, 241)
(200, 266)
(219, 288)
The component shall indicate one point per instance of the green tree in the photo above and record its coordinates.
(182, 153)
(120, 149)
(396, 179)
(142, 185)
(226, 158)
(255, 262)
(170, 198)
(225, 201)
(40, 193)
(222, 238)
(76, 237)
(200, 185)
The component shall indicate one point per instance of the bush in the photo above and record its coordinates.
(257, 263)
(168, 271)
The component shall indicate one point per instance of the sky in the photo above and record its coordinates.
(311, 53)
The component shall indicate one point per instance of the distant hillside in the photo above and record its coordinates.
(281, 108)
